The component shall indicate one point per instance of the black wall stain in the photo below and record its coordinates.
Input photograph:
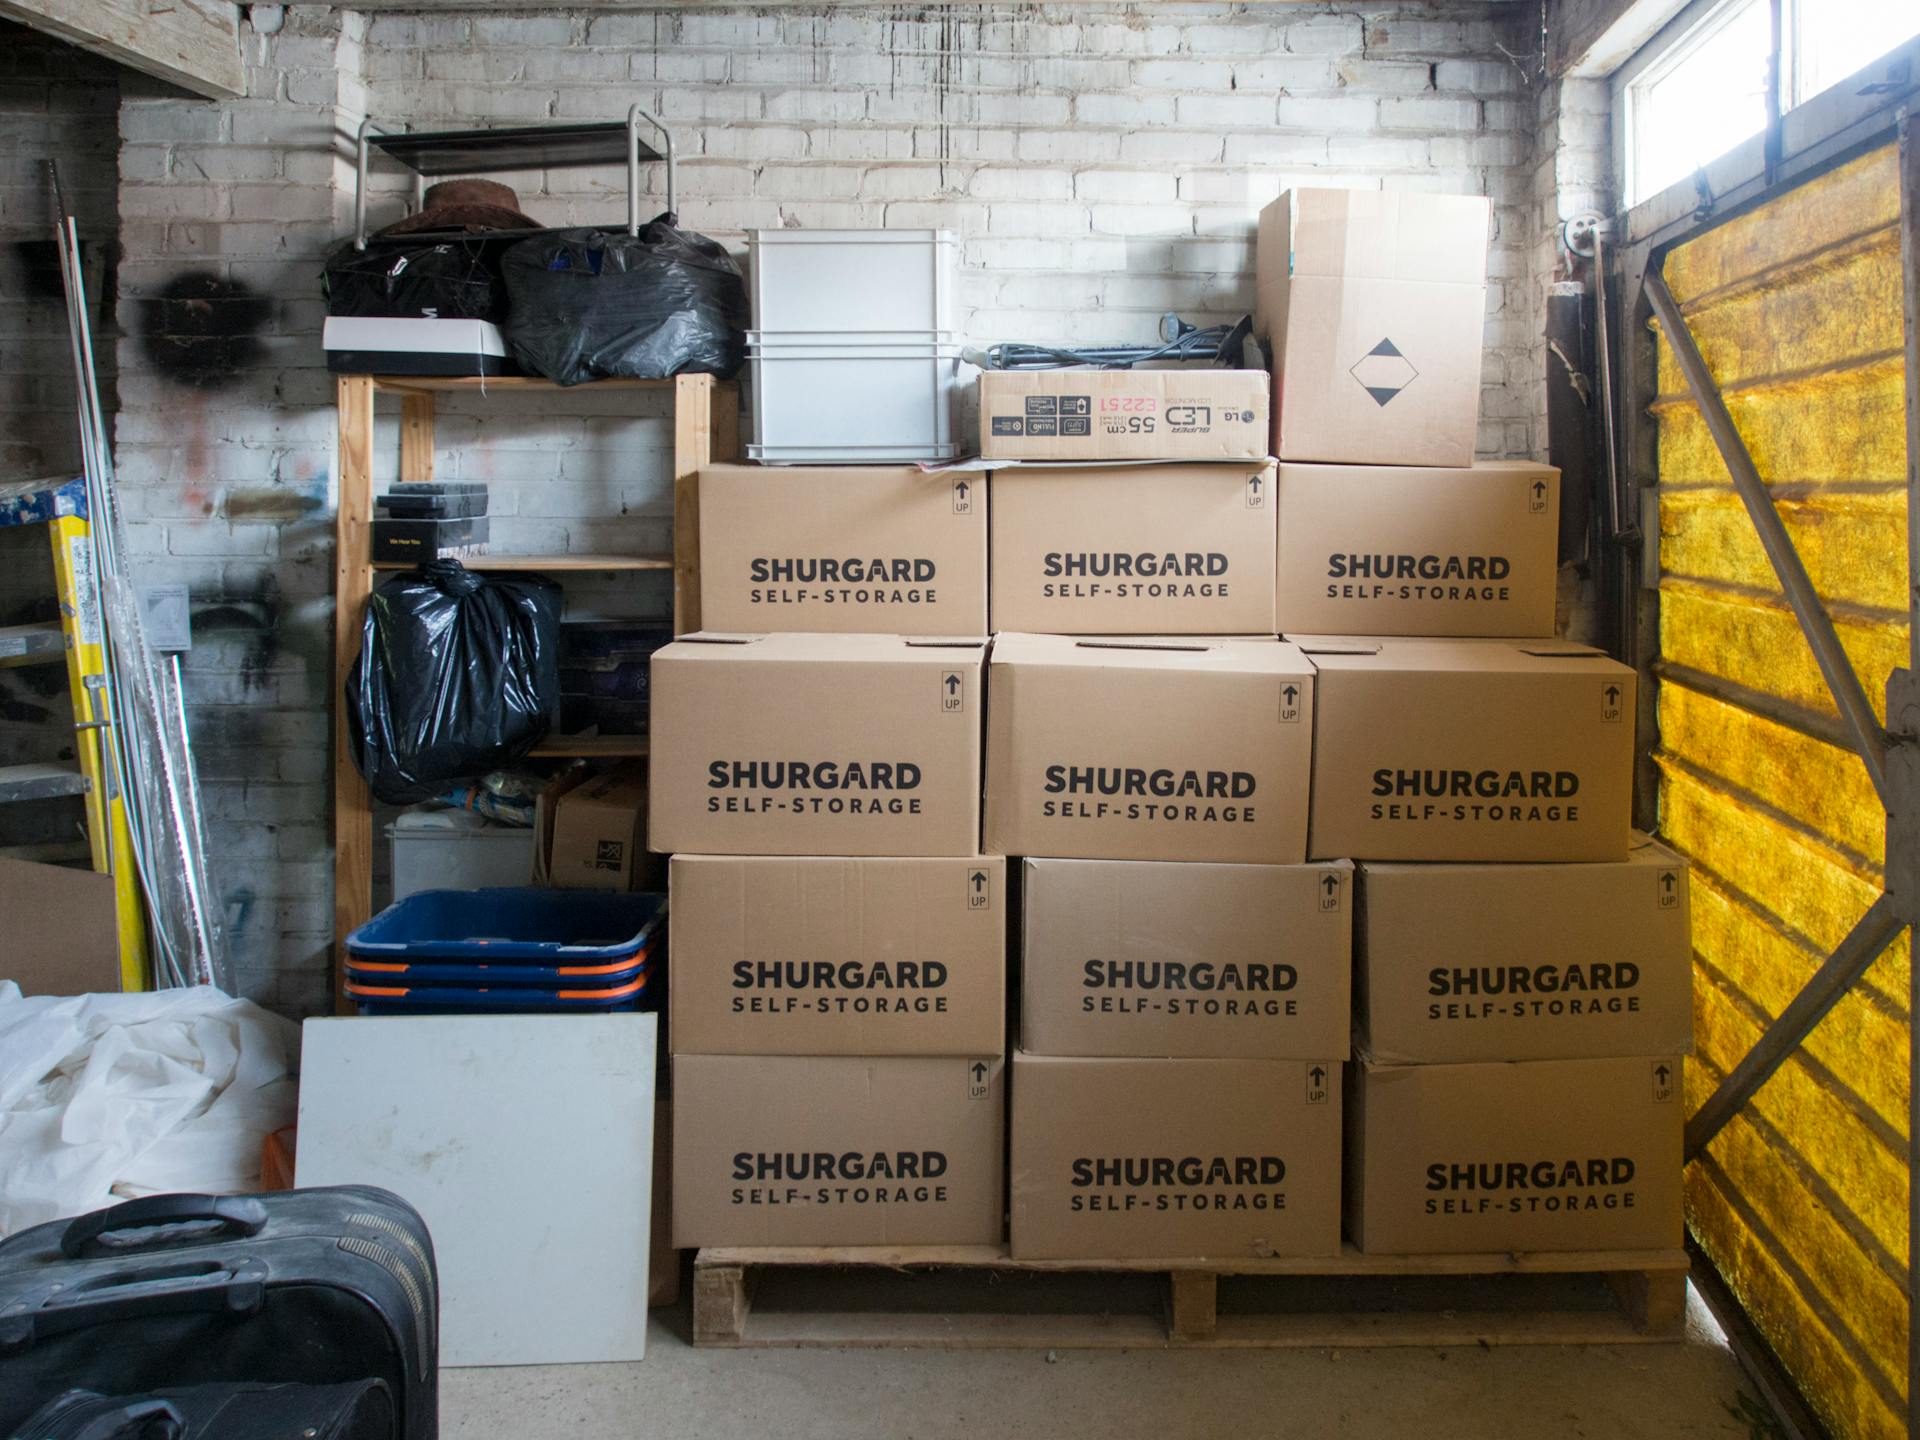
(204, 331)
(256, 612)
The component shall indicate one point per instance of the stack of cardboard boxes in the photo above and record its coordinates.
(1289, 768)
(838, 987)
(1522, 964)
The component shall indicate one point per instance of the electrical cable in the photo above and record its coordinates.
(1218, 344)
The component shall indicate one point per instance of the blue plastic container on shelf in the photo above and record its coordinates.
(512, 948)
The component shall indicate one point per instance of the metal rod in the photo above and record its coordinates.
(1603, 348)
(1869, 738)
(1871, 934)
(634, 116)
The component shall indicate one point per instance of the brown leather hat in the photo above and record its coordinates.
(466, 205)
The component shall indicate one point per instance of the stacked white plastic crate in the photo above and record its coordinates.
(856, 360)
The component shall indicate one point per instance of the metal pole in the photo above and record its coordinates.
(1869, 739)
(1871, 934)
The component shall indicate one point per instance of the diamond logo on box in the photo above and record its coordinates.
(1384, 372)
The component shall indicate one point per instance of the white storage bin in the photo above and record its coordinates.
(457, 850)
(822, 401)
(899, 282)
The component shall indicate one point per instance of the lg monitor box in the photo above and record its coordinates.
(1174, 1159)
(1137, 550)
(1185, 414)
(846, 549)
(1525, 962)
(1141, 958)
(824, 956)
(1374, 304)
(1482, 750)
(1149, 749)
(793, 744)
(799, 1150)
(1396, 550)
(1495, 1158)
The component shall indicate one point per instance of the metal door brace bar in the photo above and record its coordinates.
(1869, 737)
(1871, 934)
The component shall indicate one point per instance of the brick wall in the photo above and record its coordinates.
(1103, 162)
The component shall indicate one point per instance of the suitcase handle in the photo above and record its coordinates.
(136, 1417)
(242, 1213)
(236, 1289)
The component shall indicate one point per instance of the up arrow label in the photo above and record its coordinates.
(1289, 704)
(979, 897)
(953, 696)
(1329, 891)
(1669, 890)
(1537, 497)
(979, 1070)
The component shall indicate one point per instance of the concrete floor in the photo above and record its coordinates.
(1621, 1392)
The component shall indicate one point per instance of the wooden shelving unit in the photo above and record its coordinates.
(706, 427)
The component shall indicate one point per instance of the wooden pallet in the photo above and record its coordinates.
(978, 1297)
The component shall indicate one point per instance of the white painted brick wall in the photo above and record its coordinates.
(1103, 162)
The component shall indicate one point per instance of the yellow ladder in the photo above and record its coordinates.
(77, 638)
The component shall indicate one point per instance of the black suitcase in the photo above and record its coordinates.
(315, 1287)
(360, 1410)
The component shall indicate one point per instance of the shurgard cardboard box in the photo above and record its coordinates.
(1469, 750)
(799, 1150)
(1396, 550)
(794, 744)
(824, 956)
(1187, 414)
(1525, 962)
(1374, 304)
(1149, 749)
(1154, 549)
(843, 549)
(1139, 958)
(1174, 1159)
(1546, 1155)
(600, 832)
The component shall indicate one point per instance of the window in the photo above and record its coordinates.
(1700, 87)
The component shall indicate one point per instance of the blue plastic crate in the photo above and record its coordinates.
(466, 1000)
(526, 924)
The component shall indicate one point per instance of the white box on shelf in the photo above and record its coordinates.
(850, 400)
(897, 281)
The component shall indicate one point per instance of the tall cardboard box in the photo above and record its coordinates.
(1545, 1155)
(797, 744)
(817, 955)
(1141, 958)
(1135, 550)
(1374, 303)
(837, 1150)
(1476, 750)
(599, 839)
(1176, 414)
(844, 549)
(1403, 550)
(1174, 1159)
(1149, 749)
(1525, 962)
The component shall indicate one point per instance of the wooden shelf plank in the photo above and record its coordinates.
(581, 561)
(421, 384)
(591, 747)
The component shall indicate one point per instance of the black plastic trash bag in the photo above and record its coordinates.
(458, 674)
(587, 304)
(457, 279)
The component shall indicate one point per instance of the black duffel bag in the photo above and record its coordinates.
(405, 278)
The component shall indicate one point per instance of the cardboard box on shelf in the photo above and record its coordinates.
(1174, 1159)
(817, 1150)
(826, 956)
(1149, 749)
(798, 744)
(1374, 303)
(1135, 550)
(844, 549)
(599, 839)
(1525, 962)
(1400, 550)
(1542, 1155)
(1479, 750)
(1178, 414)
(1140, 958)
